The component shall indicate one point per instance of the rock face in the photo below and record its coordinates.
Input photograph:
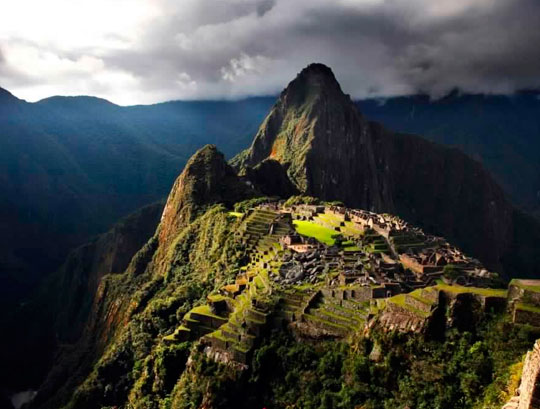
(529, 392)
(317, 134)
(332, 152)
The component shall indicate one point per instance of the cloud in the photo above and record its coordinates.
(157, 50)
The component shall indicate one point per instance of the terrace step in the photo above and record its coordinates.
(326, 325)
(327, 315)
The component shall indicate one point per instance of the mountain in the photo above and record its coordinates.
(70, 167)
(501, 131)
(207, 178)
(190, 229)
(331, 151)
(239, 300)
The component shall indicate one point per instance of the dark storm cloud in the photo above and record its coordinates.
(207, 48)
(491, 50)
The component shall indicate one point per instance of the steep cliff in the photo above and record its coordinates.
(331, 151)
(206, 179)
(109, 253)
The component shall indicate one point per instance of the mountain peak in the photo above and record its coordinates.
(318, 72)
(206, 179)
(312, 114)
(314, 82)
(328, 150)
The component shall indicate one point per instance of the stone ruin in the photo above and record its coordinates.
(384, 272)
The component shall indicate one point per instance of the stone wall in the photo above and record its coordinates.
(419, 305)
(526, 317)
(529, 396)
(516, 292)
(396, 318)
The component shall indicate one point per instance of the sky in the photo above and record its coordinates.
(148, 51)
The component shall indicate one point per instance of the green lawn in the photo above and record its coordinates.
(318, 232)
(352, 248)
(204, 310)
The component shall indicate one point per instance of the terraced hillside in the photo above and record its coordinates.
(325, 272)
(240, 300)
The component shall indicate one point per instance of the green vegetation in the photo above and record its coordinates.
(487, 292)
(417, 295)
(401, 300)
(465, 370)
(298, 200)
(318, 232)
(244, 206)
(528, 307)
(451, 271)
(202, 310)
(522, 284)
(144, 364)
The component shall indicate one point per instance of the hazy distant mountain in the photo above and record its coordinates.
(71, 166)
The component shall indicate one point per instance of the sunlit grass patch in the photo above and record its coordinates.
(318, 232)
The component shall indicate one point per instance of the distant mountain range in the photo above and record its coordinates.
(72, 166)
